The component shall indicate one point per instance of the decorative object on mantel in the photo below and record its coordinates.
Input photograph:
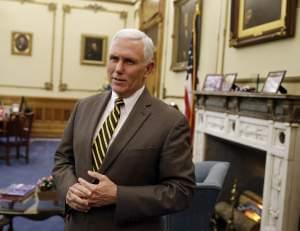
(245, 88)
(273, 82)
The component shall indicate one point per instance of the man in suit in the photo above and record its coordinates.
(147, 170)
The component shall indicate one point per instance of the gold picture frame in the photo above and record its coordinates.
(182, 34)
(21, 43)
(93, 49)
(257, 21)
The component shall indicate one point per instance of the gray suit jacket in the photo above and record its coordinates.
(150, 160)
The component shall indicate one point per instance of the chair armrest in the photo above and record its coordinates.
(202, 186)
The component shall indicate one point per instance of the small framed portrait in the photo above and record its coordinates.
(213, 82)
(257, 21)
(21, 43)
(93, 49)
(273, 81)
(228, 81)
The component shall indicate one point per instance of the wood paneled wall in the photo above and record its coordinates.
(51, 114)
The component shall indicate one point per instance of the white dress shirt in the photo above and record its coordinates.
(125, 110)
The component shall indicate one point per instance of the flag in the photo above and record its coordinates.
(188, 88)
(191, 80)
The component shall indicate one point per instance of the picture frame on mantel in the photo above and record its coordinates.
(273, 81)
(182, 32)
(228, 82)
(213, 82)
(257, 21)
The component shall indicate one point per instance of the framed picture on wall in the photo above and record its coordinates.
(149, 10)
(93, 49)
(273, 81)
(21, 43)
(182, 34)
(212, 82)
(228, 81)
(256, 21)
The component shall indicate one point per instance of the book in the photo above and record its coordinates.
(16, 192)
(19, 204)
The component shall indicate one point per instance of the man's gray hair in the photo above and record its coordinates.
(135, 34)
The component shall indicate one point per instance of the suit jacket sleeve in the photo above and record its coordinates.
(64, 167)
(176, 181)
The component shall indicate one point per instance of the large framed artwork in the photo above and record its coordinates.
(257, 21)
(182, 34)
(21, 43)
(93, 49)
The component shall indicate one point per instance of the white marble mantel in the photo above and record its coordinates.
(279, 138)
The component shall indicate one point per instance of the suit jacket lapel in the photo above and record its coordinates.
(136, 118)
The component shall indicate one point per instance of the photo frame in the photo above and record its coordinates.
(256, 21)
(273, 81)
(213, 82)
(228, 81)
(93, 49)
(21, 43)
(182, 32)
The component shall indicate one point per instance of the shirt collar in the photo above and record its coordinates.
(131, 100)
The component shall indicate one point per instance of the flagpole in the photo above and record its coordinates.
(195, 62)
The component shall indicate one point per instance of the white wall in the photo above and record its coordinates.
(56, 45)
(22, 75)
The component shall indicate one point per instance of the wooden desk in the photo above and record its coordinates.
(34, 208)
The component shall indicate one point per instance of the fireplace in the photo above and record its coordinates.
(247, 164)
(260, 136)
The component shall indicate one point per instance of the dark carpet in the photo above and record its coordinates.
(40, 164)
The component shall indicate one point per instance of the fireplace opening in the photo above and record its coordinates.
(243, 188)
(247, 164)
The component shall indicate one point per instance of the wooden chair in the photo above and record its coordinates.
(16, 133)
(9, 134)
(24, 135)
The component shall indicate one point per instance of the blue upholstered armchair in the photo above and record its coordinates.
(210, 176)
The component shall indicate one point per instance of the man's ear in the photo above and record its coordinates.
(149, 68)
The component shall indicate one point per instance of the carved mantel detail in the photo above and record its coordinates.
(283, 108)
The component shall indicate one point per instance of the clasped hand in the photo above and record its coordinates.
(83, 195)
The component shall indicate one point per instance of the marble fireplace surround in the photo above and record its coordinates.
(270, 123)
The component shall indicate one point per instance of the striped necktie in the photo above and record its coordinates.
(104, 136)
